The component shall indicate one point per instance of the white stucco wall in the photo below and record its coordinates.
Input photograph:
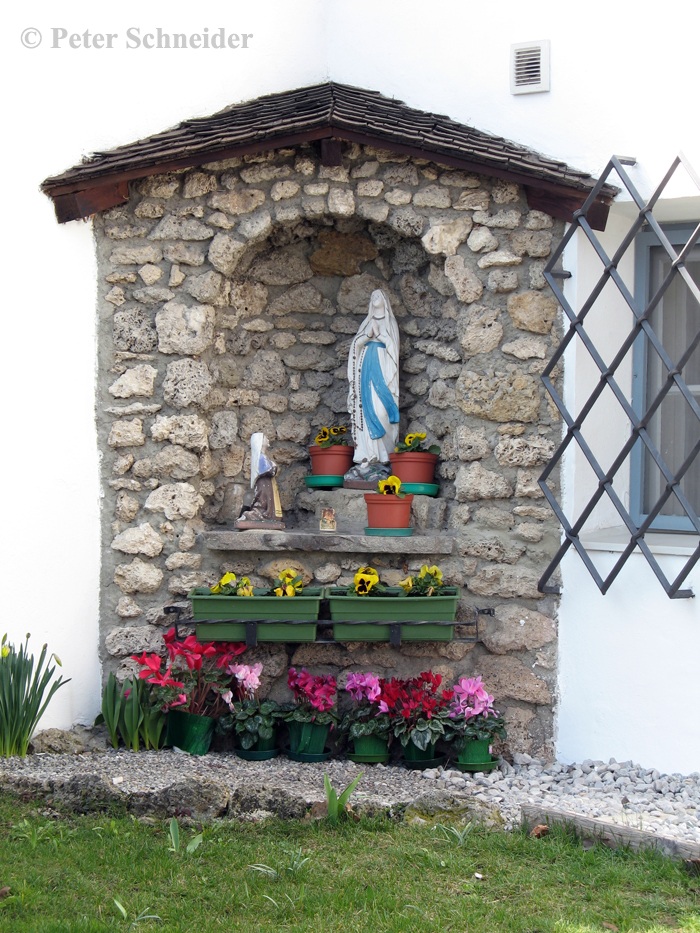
(450, 57)
(620, 653)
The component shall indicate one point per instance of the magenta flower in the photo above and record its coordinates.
(471, 699)
(363, 687)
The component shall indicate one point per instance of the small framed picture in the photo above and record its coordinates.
(327, 522)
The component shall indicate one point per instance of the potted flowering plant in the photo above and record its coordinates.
(331, 457)
(191, 689)
(219, 608)
(368, 599)
(473, 724)
(388, 509)
(253, 721)
(365, 725)
(311, 717)
(417, 710)
(413, 463)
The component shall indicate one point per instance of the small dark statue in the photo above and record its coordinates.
(266, 510)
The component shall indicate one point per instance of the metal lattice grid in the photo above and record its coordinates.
(639, 423)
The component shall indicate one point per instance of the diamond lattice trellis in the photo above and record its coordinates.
(639, 423)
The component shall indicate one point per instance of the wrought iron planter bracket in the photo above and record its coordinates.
(638, 423)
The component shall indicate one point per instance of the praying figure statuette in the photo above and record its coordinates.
(373, 396)
(266, 510)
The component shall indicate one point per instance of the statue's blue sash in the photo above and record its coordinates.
(371, 377)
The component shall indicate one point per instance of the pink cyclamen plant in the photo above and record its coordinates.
(471, 699)
(363, 687)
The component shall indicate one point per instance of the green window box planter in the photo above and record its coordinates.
(206, 605)
(267, 631)
(190, 732)
(392, 607)
(371, 631)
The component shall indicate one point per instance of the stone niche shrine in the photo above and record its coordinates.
(236, 258)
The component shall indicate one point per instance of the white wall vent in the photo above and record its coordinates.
(529, 67)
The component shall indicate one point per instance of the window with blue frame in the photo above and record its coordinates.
(674, 428)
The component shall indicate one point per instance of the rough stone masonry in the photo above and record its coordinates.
(228, 297)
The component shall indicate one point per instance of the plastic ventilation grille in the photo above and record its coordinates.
(529, 67)
(639, 422)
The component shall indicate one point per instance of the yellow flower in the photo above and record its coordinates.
(365, 579)
(245, 588)
(370, 571)
(390, 485)
(407, 584)
(289, 590)
(5, 651)
(433, 571)
(279, 591)
(410, 438)
(322, 435)
(228, 578)
(336, 431)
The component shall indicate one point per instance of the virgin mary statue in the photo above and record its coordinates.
(373, 397)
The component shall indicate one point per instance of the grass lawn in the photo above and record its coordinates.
(375, 876)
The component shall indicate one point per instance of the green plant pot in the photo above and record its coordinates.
(411, 752)
(261, 751)
(476, 751)
(206, 605)
(267, 631)
(307, 738)
(189, 732)
(370, 748)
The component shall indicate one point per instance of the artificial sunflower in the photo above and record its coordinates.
(390, 486)
(228, 579)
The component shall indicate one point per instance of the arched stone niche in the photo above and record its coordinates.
(229, 295)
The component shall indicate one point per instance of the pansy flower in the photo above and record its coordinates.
(390, 486)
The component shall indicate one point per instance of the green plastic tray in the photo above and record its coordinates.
(267, 631)
(422, 764)
(279, 608)
(474, 766)
(394, 607)
(368, 759)
(390, 532)
(323, 482)
(421, 489)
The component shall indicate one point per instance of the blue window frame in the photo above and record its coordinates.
(674, 428)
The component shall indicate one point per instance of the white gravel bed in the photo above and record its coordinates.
(618, 792)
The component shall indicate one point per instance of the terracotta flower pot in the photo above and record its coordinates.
(414, 466)
(388, 511)
(331, 461)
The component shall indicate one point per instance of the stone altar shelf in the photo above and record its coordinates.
(324, 542)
